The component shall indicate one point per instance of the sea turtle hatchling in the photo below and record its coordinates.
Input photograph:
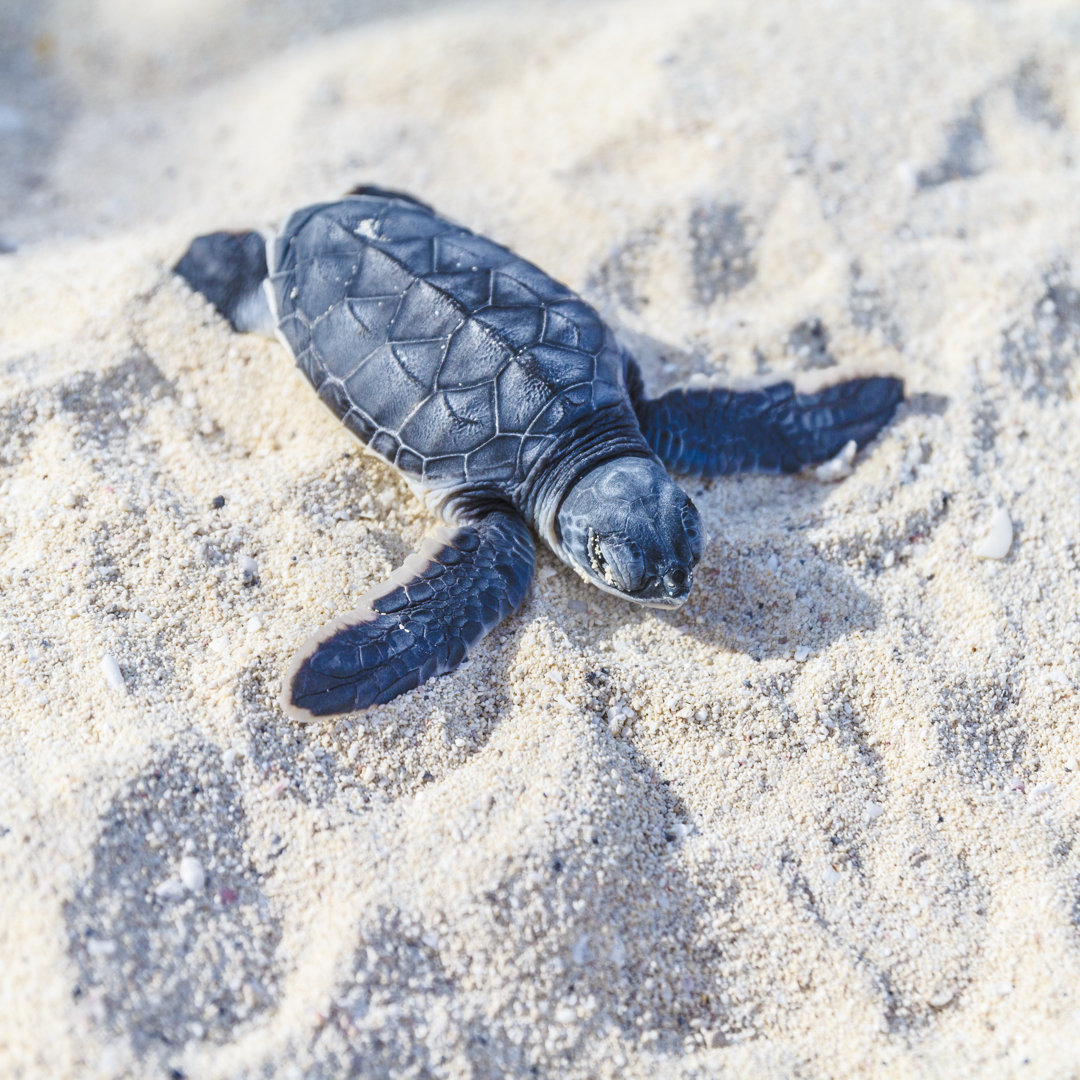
(504, 398)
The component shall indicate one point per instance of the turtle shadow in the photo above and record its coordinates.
(767, 585)
(763, 588)
(457, 715)
(767, 609)
(283, 753)
(439, 727)
(432, 730)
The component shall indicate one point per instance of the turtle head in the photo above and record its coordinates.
(628, 529)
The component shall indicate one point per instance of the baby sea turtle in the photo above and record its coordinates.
(507, 402)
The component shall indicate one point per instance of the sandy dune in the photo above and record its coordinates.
(821, 822)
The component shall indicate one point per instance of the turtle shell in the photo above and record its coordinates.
(450, 356)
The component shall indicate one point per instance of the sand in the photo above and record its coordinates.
(820, 822)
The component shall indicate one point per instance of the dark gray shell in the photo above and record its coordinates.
(450, 356)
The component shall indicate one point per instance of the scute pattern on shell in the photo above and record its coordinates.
(450, 356)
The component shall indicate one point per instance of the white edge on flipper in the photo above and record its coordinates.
(273, 243)
(255, 313)
(408, 571)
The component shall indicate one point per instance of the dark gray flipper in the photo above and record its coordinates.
(229, 269)
(713, 431)
(417, 624)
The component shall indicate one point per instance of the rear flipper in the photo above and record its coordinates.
(417, 624)
(229, 270)
(713, 431)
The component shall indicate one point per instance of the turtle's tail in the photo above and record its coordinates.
(229, 269)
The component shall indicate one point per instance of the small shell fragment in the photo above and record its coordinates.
(113, 675)
(249, 570)
(192, 874)
(170, 890)
(998, 539)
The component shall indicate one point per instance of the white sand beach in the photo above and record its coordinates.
(821, 822)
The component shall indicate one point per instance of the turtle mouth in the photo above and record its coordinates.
(598, 563)
(609, 575)
(665, 591)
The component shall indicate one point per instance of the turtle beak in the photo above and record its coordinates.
(677, 583)
(667, 591)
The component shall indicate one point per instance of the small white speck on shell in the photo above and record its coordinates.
(113, 675)
(998, 539)
(192, 874)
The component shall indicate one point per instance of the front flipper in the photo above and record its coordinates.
(712, 431)
(418, 623)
